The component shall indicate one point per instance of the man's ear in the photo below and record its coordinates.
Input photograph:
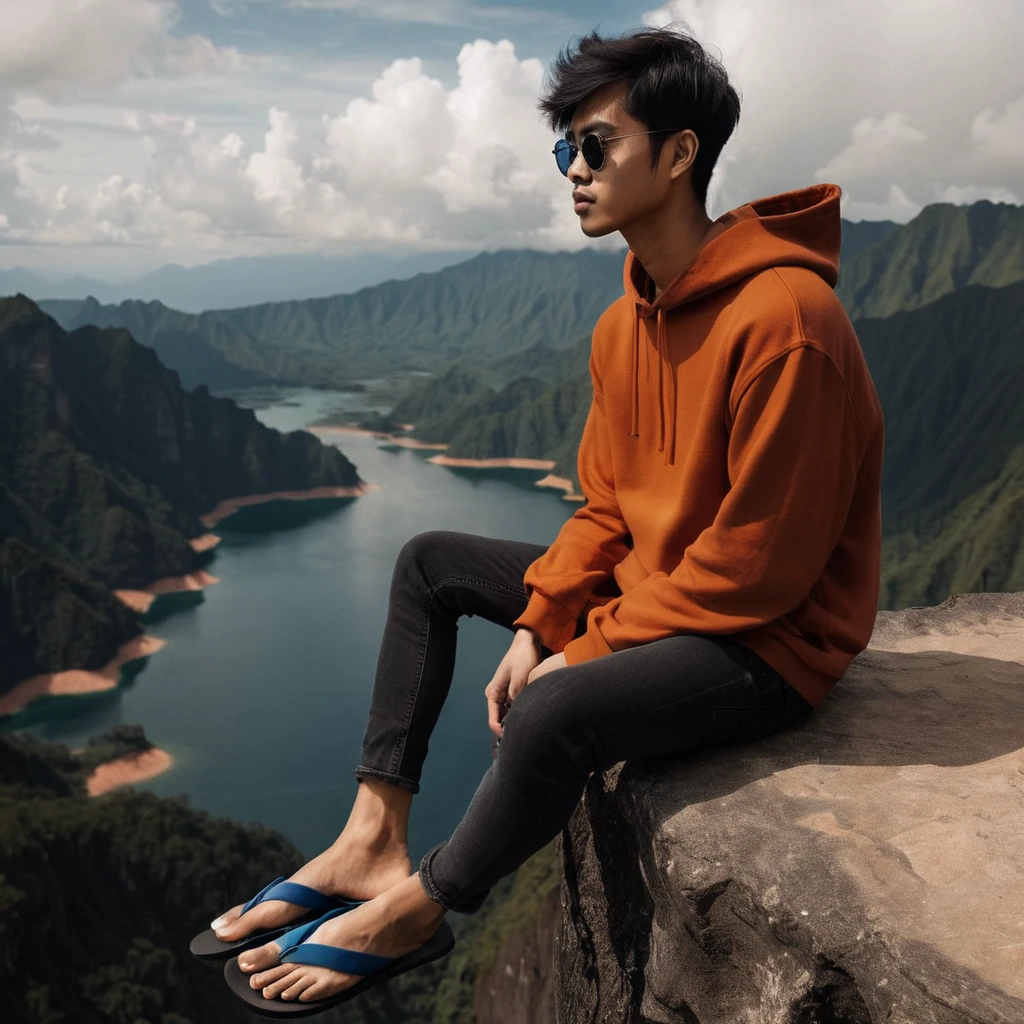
(686, 146)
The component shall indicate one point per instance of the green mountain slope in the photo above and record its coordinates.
(489, 306)
(942, 249)
(859, 235)
(949, 377)
(977, 547)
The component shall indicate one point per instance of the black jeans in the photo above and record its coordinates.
(681, 693)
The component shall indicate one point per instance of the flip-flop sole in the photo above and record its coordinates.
(440, 943)
(206, 945)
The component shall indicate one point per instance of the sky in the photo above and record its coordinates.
(135, 133)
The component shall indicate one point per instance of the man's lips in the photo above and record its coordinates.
(581, 201)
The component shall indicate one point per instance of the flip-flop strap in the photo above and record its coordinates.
(301, 932)
(259, 896)
(300, 895)
(335, 958)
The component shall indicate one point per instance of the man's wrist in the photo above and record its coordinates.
(532, 635)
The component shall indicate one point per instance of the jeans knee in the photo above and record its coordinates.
(420, 552)
(545, 730)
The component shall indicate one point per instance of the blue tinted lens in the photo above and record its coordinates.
(565, 153)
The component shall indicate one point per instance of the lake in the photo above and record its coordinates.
(262, 689)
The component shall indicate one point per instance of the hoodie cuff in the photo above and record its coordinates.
(586, 647)
(555, 625)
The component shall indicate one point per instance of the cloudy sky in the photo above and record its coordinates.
(139, 132)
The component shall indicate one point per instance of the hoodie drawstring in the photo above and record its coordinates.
(661, 335)
(634, 430)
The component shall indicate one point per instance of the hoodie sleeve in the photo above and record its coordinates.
(794, 450)
(589, 545)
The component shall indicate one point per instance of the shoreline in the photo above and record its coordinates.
(141, 600)
(77, 681)
(226, 506)
(125, 770)
(550, 482)
(502, 463)
(560, 483)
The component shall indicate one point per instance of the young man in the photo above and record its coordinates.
(722, 575)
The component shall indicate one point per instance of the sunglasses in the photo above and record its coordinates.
(592, 148)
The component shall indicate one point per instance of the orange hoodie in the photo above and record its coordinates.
(731, 458)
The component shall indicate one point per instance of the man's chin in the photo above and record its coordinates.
(594, 227)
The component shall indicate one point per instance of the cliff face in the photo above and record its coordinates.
(518, 989)
(106, 464)
(866, 865)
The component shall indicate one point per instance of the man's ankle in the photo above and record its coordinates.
(375, 837)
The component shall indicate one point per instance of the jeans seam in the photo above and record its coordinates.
(399, 752)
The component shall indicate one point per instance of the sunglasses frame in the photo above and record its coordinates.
(562, 144)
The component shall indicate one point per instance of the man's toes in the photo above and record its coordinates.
(272, 989)
(264, 978)
(261, 958)
(317, 990)
(261, 918)
(226, 919)
(298, 986)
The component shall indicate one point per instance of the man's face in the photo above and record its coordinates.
(625, 190)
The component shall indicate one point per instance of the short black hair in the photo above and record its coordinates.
(673, 82)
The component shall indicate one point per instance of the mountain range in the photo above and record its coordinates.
(478, 311)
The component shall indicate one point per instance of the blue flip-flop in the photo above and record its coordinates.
(206, 945)
(374, 968)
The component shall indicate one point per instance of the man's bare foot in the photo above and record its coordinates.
(393, 923)
(351, 867)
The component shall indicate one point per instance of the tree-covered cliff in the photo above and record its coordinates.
(100, 897)
(106, 465)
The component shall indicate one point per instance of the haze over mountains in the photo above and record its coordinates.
(239, 281)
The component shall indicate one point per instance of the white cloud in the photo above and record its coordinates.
(52, 48)
(869, 96)
(52, 54)
(410, 160)
(999, 138)
(896, 205)
(877, 147)
(413, 163)
(197, 54)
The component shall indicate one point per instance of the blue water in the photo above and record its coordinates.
(262, 689)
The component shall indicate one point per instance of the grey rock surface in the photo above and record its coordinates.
(866, 865)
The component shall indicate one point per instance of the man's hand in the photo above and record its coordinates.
(547, 665)
(511, 675)
(520, 667)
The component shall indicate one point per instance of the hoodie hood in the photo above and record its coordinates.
(794, 229)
